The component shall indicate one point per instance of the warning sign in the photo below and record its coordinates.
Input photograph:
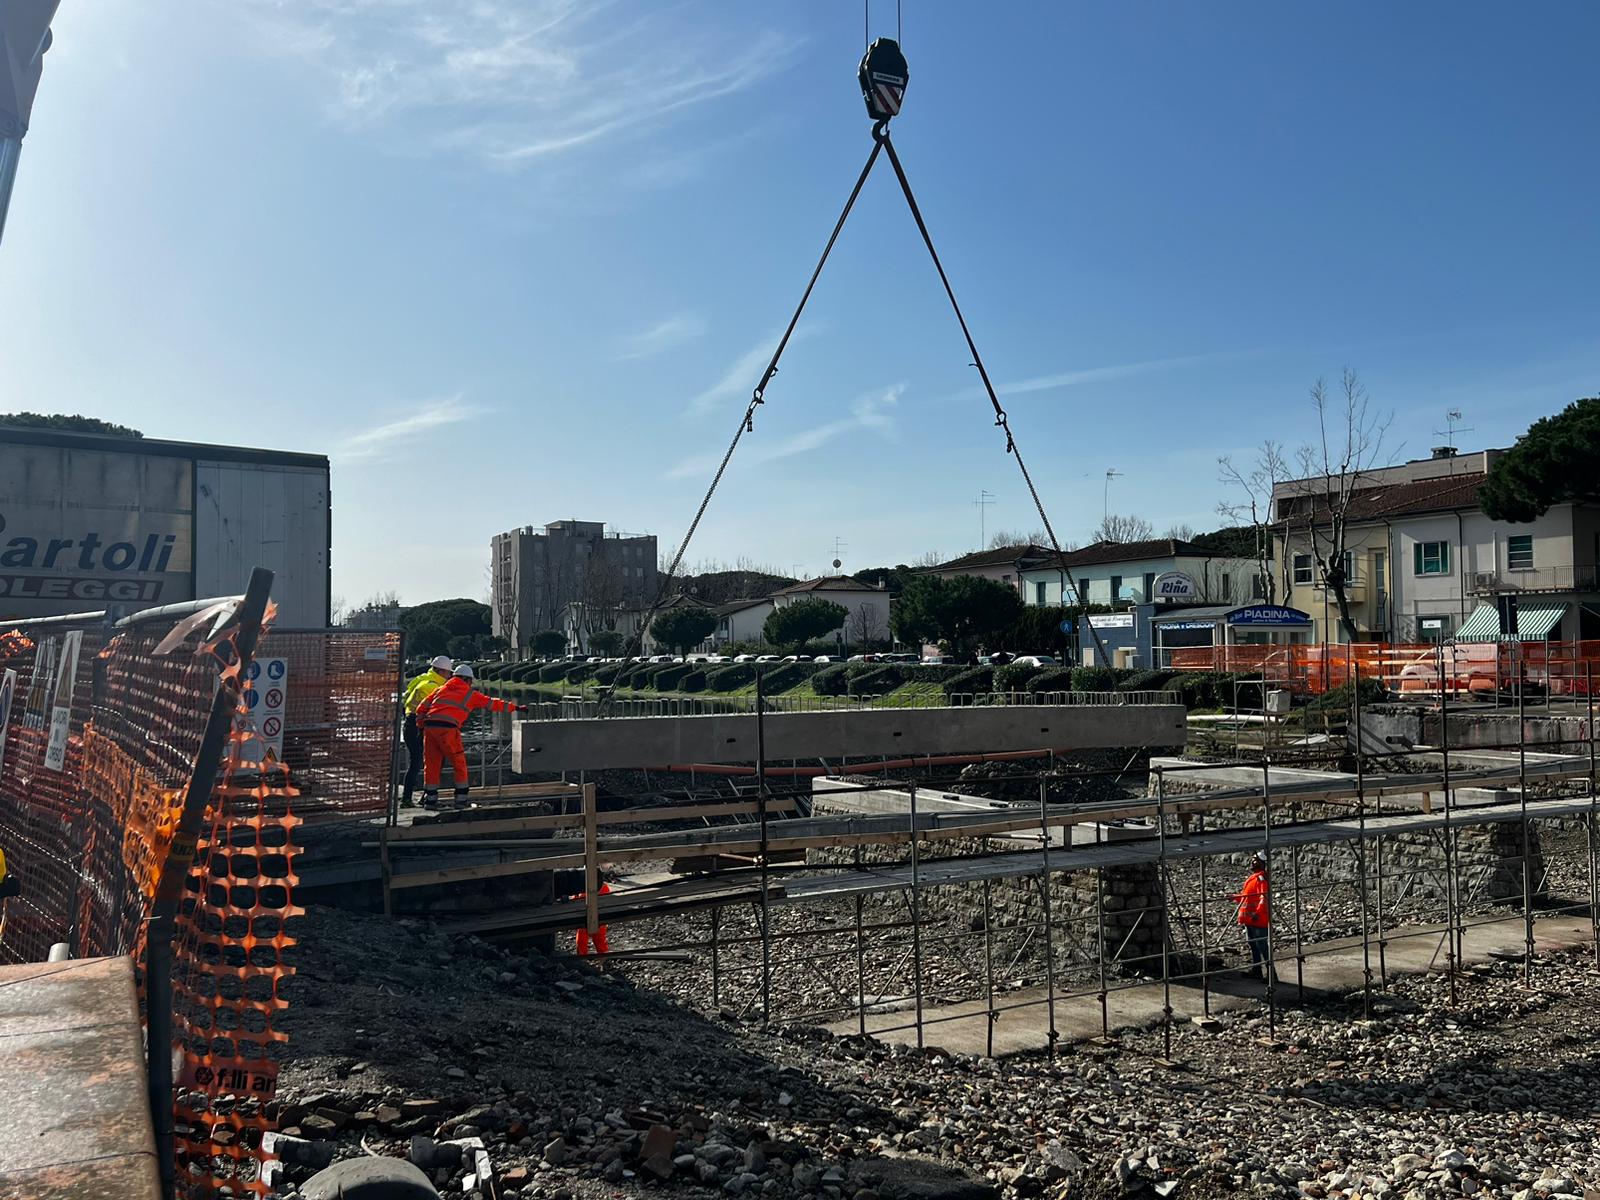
(266, 692)
(55, 754)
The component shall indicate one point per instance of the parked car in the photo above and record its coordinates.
(768, 658)
(738, 658)
(1035, 660)
(826, 658)
(940, 660)
(866, 658)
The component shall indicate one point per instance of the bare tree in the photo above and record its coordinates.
(865, 626)
(1333, 470)
(1002, 538)
(503, 603)
(926, 560)
(1115, 527)
(338, 610)
(604, 589)
(1251, 506)
(1180, 531)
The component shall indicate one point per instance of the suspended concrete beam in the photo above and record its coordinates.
(654, 742)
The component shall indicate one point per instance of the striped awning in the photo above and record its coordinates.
(1535, 623)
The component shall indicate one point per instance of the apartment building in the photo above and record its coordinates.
(1424, 562)
(536, 574)
(1109, 572)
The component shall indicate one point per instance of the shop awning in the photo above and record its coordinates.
(1535, 623)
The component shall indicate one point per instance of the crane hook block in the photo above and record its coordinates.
(883, 78)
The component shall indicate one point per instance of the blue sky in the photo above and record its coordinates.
(508, 262)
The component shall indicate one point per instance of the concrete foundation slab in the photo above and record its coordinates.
(651, 742)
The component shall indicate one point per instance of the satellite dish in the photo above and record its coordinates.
(837, 563)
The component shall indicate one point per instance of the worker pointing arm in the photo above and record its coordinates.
(441, 717)
(418, 690)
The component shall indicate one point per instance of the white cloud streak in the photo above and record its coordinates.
(663, 336)
(873, 412)
(386, 442)
(513, 82)
(1151, 366)
(744, 372)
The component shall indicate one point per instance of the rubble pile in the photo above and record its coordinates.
(504, 1075)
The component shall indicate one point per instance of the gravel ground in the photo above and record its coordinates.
(580, 1082)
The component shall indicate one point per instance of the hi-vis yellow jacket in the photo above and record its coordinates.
(420, 688)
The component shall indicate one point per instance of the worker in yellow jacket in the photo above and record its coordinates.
(418, 690)
(9, 884)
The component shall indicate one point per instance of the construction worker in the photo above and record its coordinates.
(441, 716)
(1255, 914)
(600, 930)
(418, 690)
(10, 885)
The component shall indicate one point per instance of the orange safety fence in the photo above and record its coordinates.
(100, 725)
(1424, 669)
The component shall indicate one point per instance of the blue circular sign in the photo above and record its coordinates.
(275, 668)
(1066, 627)
(254, 672)
(251, 698)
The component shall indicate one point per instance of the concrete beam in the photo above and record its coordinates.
(596, 743)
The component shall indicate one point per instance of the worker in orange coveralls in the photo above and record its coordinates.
(1255, 914)
(600, 930)
(441, 716)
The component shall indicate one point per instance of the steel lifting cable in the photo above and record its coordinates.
(746, 425)
(880, 134)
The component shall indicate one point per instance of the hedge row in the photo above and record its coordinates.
(970, 680)
(873, 679)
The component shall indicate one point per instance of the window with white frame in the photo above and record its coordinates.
(1519, 552)
(1302, 569)
(1039, 591)
(1431, 558)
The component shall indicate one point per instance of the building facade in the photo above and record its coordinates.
(537, 574)
(1003, 564)
(742, 620)
(1423, 562)
(867, 608)
(1113, 572)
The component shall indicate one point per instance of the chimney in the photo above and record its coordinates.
(1444, 452)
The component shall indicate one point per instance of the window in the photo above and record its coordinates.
(1519, 552)
(1302, 568)
(1433, 629)
(1116, 586)
(1227, 588)
(1431, 558)
(1149, 585)
(1258, 587)
(1349, 566)
(1039, 592)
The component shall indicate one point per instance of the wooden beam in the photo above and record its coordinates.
(440, 830)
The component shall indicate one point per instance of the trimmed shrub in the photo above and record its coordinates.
(730, 678)
(553, 672)
(694, 681)
(579, 672)
(969, 680)
(1194, 690)
(832, 680)
(1093, 679)
(787, 675)
(873, 679)
(607, 673)
(669, 677)
(1146, 681)
(1051, 679)
(1014, 677)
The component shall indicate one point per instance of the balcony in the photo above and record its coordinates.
(1582, 578)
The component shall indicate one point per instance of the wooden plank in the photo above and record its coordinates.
(525, 791)
(416, 879)
(439, 830)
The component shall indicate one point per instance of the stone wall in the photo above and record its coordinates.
(1129, 897)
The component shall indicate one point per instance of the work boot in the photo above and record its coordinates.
(1253, 973)
(430, 800)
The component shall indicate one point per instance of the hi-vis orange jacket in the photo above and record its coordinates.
(454, 702)
(1253, 901)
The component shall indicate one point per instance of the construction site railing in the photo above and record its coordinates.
(584, 708)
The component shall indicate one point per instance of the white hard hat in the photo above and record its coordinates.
(442, 662)
(464, 671)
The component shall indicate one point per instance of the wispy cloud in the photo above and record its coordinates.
(745, 371)
(514, 81)
(1150, 366)
(385, 442)
(663, 336)
(873, 411)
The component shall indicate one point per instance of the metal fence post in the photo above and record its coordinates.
(1049, 924)
(1266, 849)
(175, 874)
(1361, 849)
(1522, 793)
(916, 913)
(1166, 901)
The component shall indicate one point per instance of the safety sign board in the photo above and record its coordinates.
(266, 692)
(8, 689)
(55, 753)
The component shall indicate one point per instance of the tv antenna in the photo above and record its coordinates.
(839, 547)
(1105, 493)
(982, 503)
(1452, 426)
